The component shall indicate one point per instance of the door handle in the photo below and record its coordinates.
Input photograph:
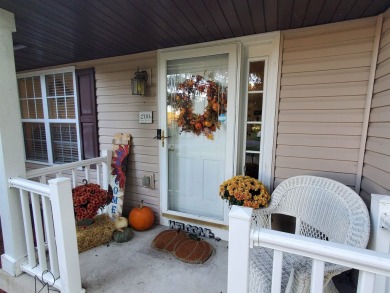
(163, 138)
(160, 136)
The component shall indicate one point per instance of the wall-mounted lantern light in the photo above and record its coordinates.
(138, 83)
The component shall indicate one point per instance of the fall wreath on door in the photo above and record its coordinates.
(183, 104)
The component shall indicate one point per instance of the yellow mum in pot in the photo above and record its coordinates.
(245, 191)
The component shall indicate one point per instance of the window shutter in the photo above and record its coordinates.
(87, 112)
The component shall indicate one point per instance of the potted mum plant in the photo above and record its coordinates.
(244, 191)
(87, 200)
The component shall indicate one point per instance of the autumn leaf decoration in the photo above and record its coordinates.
(119, 164)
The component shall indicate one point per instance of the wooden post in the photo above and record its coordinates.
(11, 152)
(238, 256)
(65, 231)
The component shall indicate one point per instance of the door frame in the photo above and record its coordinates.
(267, 45)
(234, 64)
(262, 47)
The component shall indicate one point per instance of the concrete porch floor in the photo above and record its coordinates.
(135, 267)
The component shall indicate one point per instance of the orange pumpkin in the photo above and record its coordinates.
(141, 218)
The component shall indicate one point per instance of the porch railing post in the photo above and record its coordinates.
(238, 255)
(380, 237)
(64, 225)
(11, 152)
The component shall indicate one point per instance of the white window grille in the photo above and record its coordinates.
(48, 103)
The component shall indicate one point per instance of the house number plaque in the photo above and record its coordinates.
(145, 117)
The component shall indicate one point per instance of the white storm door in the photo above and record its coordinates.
(197, 103)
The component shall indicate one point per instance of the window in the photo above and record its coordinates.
(255, 84)
(48, 103)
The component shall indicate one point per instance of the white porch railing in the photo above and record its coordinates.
(61, 267)
(52, 254)
(77, 171)
(241, 238)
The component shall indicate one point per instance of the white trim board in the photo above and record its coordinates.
(46, 71)
(233, 51)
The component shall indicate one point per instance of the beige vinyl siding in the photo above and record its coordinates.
(118, 112)
(324, 80)
(376, 168)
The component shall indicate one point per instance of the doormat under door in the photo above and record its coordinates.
(187, 248)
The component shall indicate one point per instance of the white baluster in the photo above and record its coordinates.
(49, 229)
(277, 271)
(366, 282)
(98, 174)
(106, 167)
(42, 179)
(87, 172)
(32, 261)
(317, 276)
(74, 177)
(39, 231)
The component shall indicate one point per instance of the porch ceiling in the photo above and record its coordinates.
(61, 32)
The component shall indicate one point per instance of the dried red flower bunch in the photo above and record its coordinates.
(88, 199)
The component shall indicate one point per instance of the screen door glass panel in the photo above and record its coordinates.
(196, 122)
(254, 118)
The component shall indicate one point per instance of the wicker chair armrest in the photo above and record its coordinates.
(263, 211)
(262, 217)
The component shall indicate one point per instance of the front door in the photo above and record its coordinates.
(199, 118)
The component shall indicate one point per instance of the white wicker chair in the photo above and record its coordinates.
(324, 209)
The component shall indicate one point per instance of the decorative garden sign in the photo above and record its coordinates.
(121, 144)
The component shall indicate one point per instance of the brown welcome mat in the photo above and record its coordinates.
(187, 248)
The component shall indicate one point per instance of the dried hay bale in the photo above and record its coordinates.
(100, 232)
